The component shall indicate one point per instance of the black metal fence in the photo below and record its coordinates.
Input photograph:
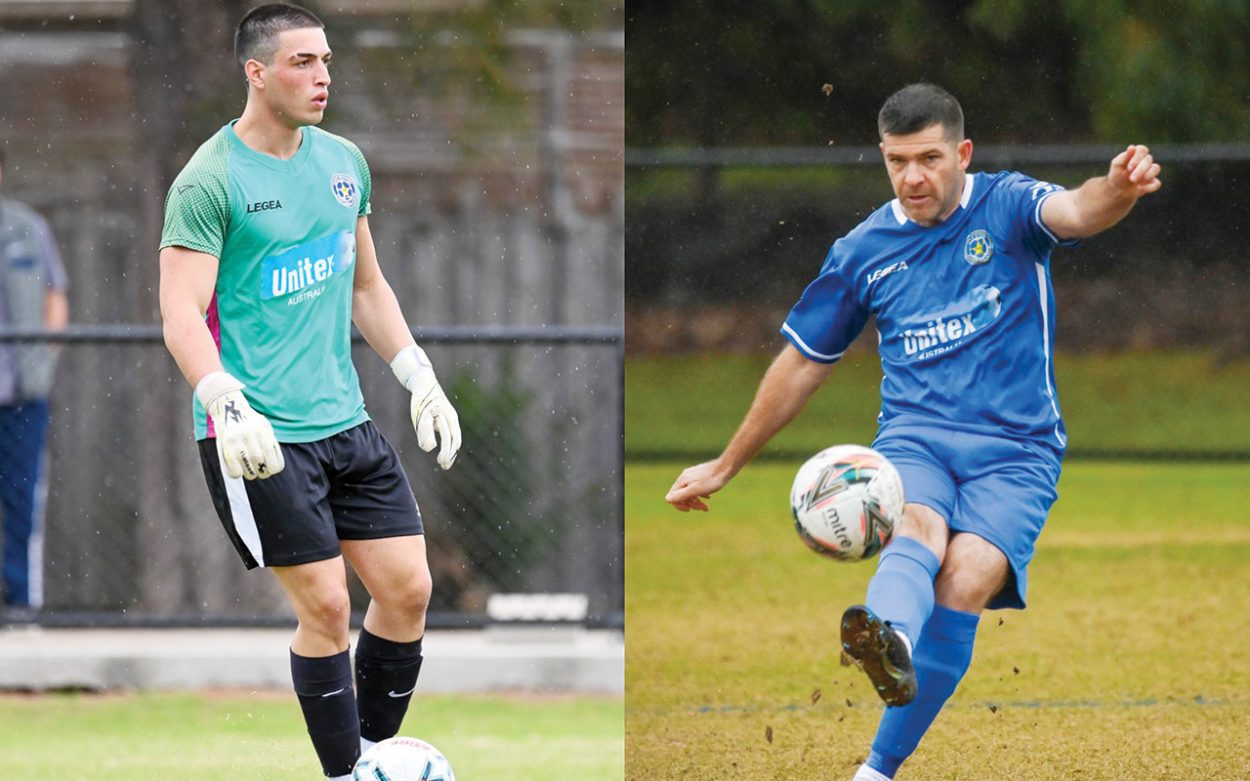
(533, 505)
(733, 235)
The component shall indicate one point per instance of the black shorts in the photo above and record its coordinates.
(349, 486)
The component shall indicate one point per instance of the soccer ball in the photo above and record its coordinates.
(403, 759)
(846, 500)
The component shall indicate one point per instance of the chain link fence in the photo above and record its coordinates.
(534, 503)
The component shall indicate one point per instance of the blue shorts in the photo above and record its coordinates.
(997, 488)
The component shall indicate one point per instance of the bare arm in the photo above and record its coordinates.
(375, 310)
(1103, 201)
(55, 314)
(55, 310)
(787, 385)
(187, 282)
(246, 443)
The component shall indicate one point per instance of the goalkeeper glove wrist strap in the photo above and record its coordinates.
(410, 362)
(214, 385)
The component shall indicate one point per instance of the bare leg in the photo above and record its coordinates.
(388, 652)
(321, 669)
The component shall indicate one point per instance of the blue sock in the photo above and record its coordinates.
(942, 657)
(901, 593)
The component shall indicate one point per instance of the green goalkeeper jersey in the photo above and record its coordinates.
(284, 232)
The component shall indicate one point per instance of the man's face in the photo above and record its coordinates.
(927, 172)
(297, 82)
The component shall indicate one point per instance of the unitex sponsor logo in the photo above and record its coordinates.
(939, 333)
(312, 263)
(305, 272)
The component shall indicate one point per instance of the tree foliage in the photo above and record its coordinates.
(1071, 70)
(464, 52)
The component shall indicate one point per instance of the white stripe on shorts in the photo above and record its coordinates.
(241, 514)
(1045, 304)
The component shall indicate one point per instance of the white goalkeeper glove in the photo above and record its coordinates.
(431, 411)
(245, 440)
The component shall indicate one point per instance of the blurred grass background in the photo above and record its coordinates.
(259, 736)
(1148, 401)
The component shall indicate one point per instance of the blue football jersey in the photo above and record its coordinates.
(964, 310)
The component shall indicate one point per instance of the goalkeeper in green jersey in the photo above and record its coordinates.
(266, 262)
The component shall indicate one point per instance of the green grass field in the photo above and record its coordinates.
(1149, 401)
(1130, 662)
(260, 737)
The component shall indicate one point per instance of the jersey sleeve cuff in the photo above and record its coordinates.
(803, 347)
(1037, 218)
(193, 245)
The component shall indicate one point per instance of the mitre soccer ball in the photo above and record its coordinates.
(403, 759)
(846, 501)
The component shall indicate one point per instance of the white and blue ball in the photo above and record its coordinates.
(846, 501)
(403, 759)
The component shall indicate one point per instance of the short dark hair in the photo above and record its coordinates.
(918, 106)
(257, 35)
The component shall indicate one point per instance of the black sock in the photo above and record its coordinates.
(324, 687)
(386, 674)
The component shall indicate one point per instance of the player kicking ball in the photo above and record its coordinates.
(266, 261)
(957, 271)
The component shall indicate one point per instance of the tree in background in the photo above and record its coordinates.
(1166, 70)
(1074, 70)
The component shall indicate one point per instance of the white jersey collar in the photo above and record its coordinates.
(969, 183)
(964, 200)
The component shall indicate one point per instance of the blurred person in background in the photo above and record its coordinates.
(32, 295)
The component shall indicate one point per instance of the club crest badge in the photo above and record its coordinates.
(978, 248)
(345, 190)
